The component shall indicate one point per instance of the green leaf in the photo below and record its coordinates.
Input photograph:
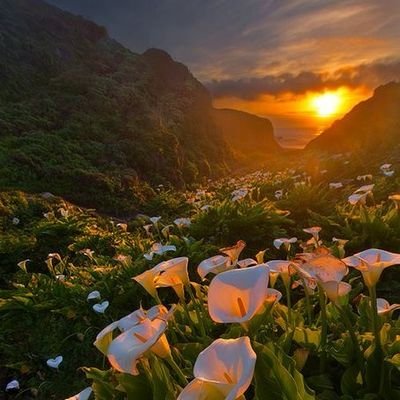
(276, 376)
(135, 387)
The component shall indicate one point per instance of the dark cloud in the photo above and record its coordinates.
(369, 75)
(231, 39)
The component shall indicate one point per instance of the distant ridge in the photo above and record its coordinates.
(248, 135)
(371, 124)
(85, 118)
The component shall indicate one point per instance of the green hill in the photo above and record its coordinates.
(371, 124)
(250, 137)
(83, 117)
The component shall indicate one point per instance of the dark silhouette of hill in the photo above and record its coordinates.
(85, 118)
(250, 136)
(371, 124)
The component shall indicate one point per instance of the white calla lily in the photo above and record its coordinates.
(234, 251)
(384, 307)
(371, 263)
(214, 265)
(127, 348)
(224, 370)
(244, 293)
(54, 362)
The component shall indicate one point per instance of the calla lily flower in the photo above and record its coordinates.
(54, 362)
(384, 307)
(239, 194)
(283, 268)
(358, 198)
(12, 385)
(182, 222)
(279, 194)
(83, 395)
(388, 173)
(396, 199)
(95, 295)
(100, 308)
(214, 265)
(154, 220)
(335, 290)
(105, 337)
(224, 370)
(284, 241)
(126, 349)
(233, 252)
(244, 293)
(314, 231)
(159, 249)
(371, 263)
(321, 267)
(386, 166)
(364, 177)
(172, 273)
(365, 189)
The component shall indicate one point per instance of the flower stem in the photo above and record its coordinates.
(197, 310)
(289, 303)
(181, 377)
(324, 330)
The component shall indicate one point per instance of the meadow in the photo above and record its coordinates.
(277, 284)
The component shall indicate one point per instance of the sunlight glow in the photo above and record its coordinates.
(326, 104)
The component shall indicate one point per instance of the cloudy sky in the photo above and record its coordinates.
(269, 57)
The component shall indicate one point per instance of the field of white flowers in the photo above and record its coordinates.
(280, 284)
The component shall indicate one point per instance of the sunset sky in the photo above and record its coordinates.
(269, 57)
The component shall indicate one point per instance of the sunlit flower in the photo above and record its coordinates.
(127, 348)
(12, 385)
(83, 395)
(237, 295)
(224, 370)
(279, 194)
(335, 185)
(314, 231)
(154, 220)
(147, 228)
(233, 252)
(159, 249)
(105, 337)
(364, 177)
(122, 226)
(335, 290)
(172, 273)
(388, 173)
(396, 199)
(239, 194)
(182, 222)
(15, 221)
(300, 357)
(371, 263)
(22, 264)
(214, 265)
(358, 198)
(384, 307)
(321, 266)
(283, 268)
(87, 252)
(54, 362)
(365, 189)
(284, 241)
(385, 167)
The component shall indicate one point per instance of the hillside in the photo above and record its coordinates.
(249, 136)
(85, 118)
(371, 124)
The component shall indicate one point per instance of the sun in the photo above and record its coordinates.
(326, 104)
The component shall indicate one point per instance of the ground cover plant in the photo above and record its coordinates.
(278, 284)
